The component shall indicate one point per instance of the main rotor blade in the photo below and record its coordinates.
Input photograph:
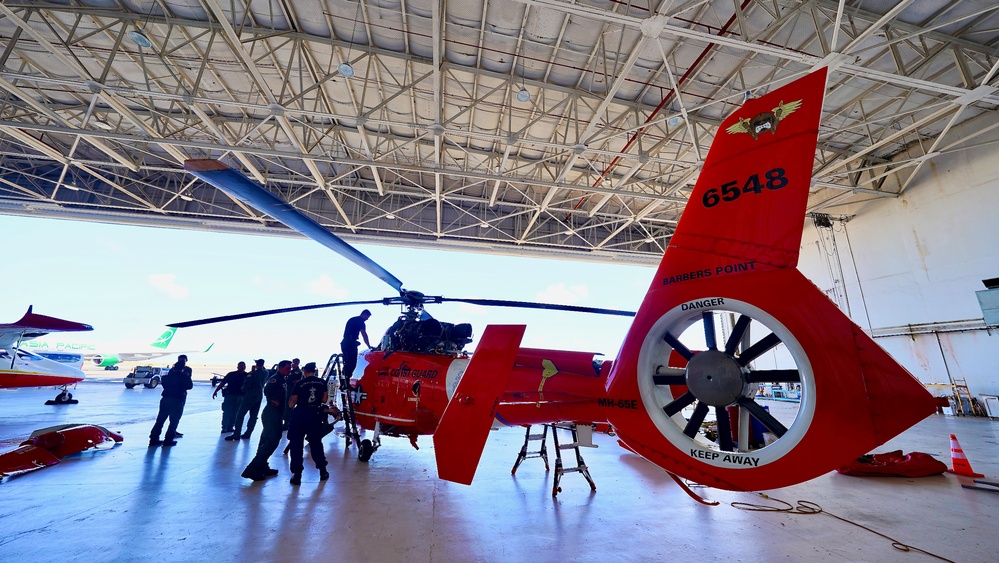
(533, 305)
(235, 184)
(225, 318)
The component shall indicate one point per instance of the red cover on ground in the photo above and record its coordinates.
(895, 464)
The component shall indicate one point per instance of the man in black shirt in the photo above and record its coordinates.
(253, 395)
(293, 377)
(348, 346)
(307, 401)
(270, 435)
(175, 385)
(232, 394)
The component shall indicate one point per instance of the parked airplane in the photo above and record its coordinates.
(76, 353)
(22, 368)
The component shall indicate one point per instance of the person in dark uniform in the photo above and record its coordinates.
(293, 377)
(308, 402)
(348, 346)
(270, 435)
(175, 385)
(253, 394)
(232, 395)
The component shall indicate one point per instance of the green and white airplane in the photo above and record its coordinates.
(76, 353)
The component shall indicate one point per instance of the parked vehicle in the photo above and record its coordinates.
(147, 376)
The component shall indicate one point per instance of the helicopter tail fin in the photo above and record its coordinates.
(464, 426)
(729, 317)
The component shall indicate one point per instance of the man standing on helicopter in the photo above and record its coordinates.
(348, 346)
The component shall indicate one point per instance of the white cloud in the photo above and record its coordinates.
(559, 293)
(324, 285)
(471, 309)
(167, 283)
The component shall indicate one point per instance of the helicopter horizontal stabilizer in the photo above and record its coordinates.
(464, 426)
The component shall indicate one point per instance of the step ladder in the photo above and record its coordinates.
(339, 387)
(962, 394)
(582, 437)
(525, 452)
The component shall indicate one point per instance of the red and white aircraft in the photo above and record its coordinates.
(729, 273)
(21, 368)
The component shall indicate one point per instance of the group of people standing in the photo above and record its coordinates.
(294, 399)
(298, 406)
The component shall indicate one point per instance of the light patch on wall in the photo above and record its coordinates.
(167, 283)
(324, 285)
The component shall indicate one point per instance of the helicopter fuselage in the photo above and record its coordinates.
(407, 392)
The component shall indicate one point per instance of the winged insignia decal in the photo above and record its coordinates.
(766, 121)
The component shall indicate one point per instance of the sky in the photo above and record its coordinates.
(129, 282)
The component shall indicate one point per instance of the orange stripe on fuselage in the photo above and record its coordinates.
(13, 379)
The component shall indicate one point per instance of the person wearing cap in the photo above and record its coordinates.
(231, 387)
(253, 395)
(308, 402)
(348, 346)
(270, 435)
(175, 386)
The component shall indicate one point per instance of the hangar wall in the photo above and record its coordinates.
(906, 269)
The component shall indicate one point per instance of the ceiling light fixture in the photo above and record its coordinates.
(390, 216)
(674, 121)
(186, 197)
(344, 68)
(71, 187)
(523, 95)
(139, 38)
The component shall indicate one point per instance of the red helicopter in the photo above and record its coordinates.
(729, 272)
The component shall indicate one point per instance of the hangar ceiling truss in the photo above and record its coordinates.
(552, 127)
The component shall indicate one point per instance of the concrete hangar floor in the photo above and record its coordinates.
(188, 503)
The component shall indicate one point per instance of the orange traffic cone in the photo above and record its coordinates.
(959, 461)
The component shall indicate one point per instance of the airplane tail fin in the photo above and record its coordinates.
(209, 348)
(755, 323)
(163, 341)
(32, 325)
(464, 427)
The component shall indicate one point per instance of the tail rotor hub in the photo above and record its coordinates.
(715, 378)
